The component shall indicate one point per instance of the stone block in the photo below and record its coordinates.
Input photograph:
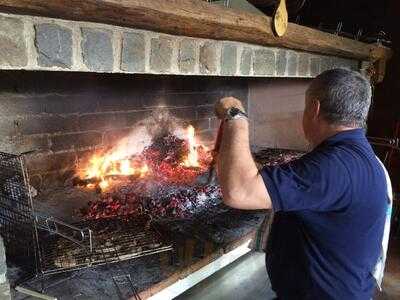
(215, 123)
(3, 272)
(8, 127)
(101, 121)
(205, 111)
(116, 102)
(350, 64)
(133, 118)
(315, 65)
(25, 143)
(364, 68)
(353, 64)
(2, 251)
(5, 291)
(179, 99)
(111, 137)
(264, 62)
(327, 63)
(245, 61)
(75, 141)
(336, 62)
(161, 55)
(52, 162)
(208, 58)
(292, 63)
(304, 65)
(281, 62)
(187, 56)
(203, 124)
(51, 103)
(188, 113)
(133, 52)
(53, 45)
(228, 60)
(46, 124)
(13, 50)
(97, 49)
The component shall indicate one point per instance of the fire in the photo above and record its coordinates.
(125, 167)
(103, 170)
(192, 159)
(105, 167)
(104, 184)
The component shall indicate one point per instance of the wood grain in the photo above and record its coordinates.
(197, 19)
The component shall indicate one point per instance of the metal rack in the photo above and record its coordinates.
(114, 240)
(17, 223)
(42, 245)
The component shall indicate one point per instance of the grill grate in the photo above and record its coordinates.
(16, 212)
(114, 240)
(43, 245)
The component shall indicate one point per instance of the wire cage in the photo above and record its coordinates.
(42, 245)
(17, 223)
(113, 240)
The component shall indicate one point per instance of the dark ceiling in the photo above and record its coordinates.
(366, 17)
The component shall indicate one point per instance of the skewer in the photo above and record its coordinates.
(34, 293)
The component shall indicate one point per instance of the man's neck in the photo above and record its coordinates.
(326, 131)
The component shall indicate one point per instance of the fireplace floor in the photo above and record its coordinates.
(195, 245)
(197, 242)
(244, 279)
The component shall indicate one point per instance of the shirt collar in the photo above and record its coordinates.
(352, 134)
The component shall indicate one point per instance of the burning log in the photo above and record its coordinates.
(77, 181)
(169, 159)
(159, 181)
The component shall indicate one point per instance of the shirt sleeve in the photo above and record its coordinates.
(316, 182)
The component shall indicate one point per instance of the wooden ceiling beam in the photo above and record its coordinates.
(197, 19)
(261, 3)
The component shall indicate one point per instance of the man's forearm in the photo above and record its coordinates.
(241, 184)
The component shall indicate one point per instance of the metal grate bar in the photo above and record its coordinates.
(16, 211)
(79, 236)
(114, 240)
(125, 287)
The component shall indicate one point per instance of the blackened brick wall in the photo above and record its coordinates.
(64, 116)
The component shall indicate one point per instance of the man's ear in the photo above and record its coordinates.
(316, 106)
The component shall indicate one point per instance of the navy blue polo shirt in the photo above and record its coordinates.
(330, 208)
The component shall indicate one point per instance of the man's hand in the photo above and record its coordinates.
(224, 104)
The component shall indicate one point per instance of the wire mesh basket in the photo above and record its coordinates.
(41, 244)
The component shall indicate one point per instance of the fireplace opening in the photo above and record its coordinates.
(104, 174)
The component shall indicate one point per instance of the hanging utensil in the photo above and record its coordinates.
(280, 19)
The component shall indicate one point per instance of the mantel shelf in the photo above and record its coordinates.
(198, 19)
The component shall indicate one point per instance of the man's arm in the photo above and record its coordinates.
(242, 185)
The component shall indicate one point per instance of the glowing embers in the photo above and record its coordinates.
(168, 159)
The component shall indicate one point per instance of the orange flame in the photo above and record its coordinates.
(111, 164)
(192, 159)
(109, 167)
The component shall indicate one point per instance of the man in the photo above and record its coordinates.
(330, 205)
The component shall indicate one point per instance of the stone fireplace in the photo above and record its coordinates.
(71, 88)
(61, 114)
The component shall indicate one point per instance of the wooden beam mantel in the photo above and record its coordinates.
(197, 19)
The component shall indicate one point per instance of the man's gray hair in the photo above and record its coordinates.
(344, 96)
